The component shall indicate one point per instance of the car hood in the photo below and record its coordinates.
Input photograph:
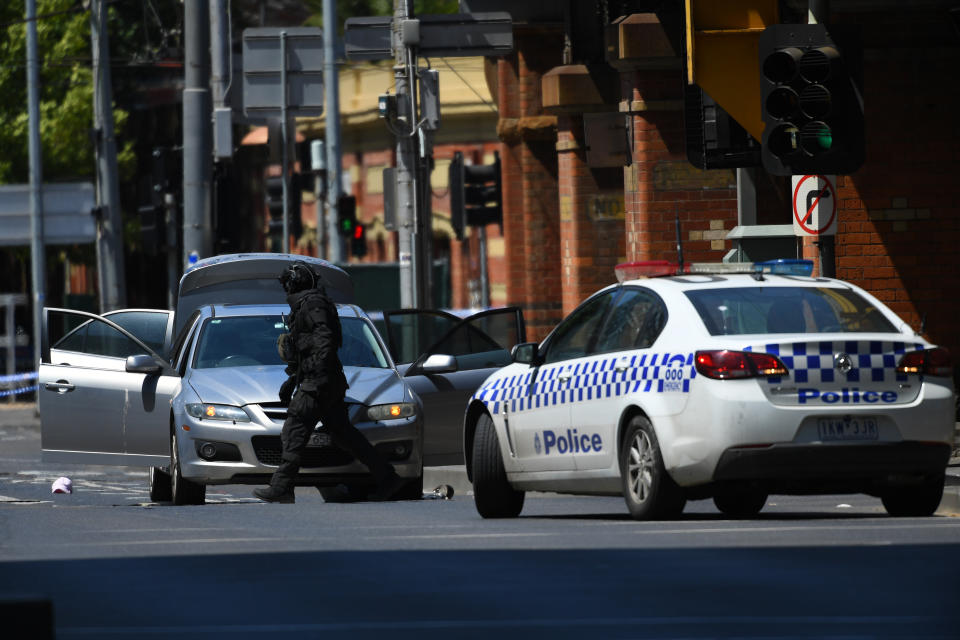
(257, 385)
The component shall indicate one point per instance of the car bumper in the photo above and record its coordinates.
(726, 421)
(250, 453)
(832, 468)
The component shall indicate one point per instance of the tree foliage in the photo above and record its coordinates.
(65, 93)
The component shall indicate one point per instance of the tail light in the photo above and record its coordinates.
(930, 362)
(724, 365)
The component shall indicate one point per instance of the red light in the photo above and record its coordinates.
(724, 365)
(358, 232)
(645, 269)
(931, 362)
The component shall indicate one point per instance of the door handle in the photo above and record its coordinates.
(564, 377)
(60, 386)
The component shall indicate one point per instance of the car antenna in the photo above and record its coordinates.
(676, 219)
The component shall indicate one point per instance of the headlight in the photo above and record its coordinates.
(217, 412)
(391, 411)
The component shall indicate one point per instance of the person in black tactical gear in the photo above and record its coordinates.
(314, 390)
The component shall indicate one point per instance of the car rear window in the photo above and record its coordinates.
(751, 310)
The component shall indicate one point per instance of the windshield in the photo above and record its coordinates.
(252, 341)
(743, 310)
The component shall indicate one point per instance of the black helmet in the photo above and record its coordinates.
(297, 277)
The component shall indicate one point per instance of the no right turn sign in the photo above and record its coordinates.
(814, 205)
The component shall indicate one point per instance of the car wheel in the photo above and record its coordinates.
(158, 479)
(917, 501)
(649, 491)
(492, 493)
(412, 490)
(183, 491)
(740, 504)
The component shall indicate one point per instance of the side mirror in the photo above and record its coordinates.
(439, 363)
(524, 353)
(143, 363)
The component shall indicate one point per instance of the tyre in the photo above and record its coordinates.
(183, 491)
(649, 491)
(492, 493)
(740, 504)
(413, 490)
(917, 501)
(158, 479)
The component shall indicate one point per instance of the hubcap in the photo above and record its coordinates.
(640, 468)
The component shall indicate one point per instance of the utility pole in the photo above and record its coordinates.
(405, 62)
(818, 12)
(38, 271)
(110, 228)
(197, 146)
(335, 252)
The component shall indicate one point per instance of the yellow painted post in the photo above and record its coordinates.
(722, 54)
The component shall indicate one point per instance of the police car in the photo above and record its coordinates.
(729, 382)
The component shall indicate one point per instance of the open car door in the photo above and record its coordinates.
(104, 396)
(445, 359)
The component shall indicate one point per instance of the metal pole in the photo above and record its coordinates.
(406, 160)
(818, 12)
(173, 249)
(331, 79)
(38, 273)
(110, 231)
(284, 169)
(219, 51)
(197, 144)
(484, 278)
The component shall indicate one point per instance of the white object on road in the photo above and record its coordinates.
(62, 485)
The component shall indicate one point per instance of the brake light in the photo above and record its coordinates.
(930, 362)
(724, 365)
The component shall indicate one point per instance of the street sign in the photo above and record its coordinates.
(263, 71)
(814, 205)
(451, 35)
(67, 214)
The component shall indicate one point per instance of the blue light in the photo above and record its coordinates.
(786, 267)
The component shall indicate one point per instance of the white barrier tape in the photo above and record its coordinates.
(13, 392)
(19, 377)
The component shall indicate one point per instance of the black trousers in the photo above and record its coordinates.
(326, 406)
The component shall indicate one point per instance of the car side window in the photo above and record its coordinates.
(150, 327)
(573, 336)
(99, 339)
(635, 321)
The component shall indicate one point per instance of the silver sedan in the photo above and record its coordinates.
(210, 413)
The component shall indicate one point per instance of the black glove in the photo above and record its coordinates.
(286, 390)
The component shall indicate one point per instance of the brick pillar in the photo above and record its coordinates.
(661, 185)
(591, 236)
(529, 168)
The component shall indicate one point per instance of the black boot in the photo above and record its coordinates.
(281, 484)
(389, 484)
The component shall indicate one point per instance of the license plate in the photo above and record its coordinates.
(319, 439)
(847, 429)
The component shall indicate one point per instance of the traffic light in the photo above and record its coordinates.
(476, 194)
(273, 193)
(358, 241)
(347, 215)
(812, 100)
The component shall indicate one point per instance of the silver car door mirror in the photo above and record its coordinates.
(143, 363)
(439, 363)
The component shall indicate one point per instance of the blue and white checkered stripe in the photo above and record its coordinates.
(595, 379)
(812, 362)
